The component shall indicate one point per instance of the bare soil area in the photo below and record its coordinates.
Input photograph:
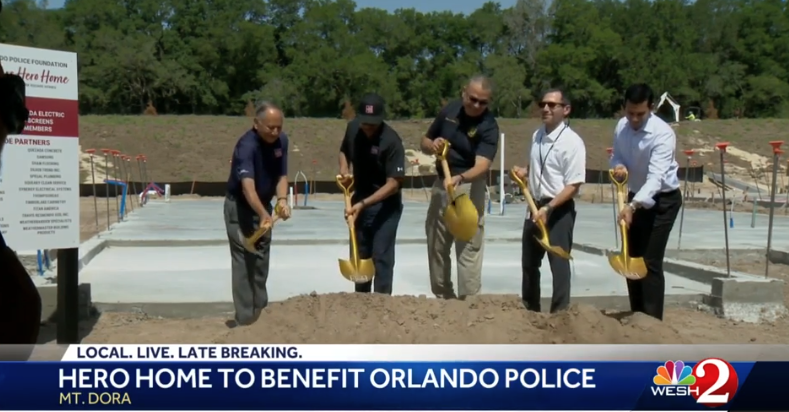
(347, 318)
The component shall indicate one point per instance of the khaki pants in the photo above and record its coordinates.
(439, 244)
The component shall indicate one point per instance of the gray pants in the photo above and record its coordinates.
(250, 270)
(560, 227)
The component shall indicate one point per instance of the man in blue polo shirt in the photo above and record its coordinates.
(375, 153)
(258, 173)
(20, 303)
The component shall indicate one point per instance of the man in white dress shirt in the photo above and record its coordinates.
(556, 171)
(644, 147)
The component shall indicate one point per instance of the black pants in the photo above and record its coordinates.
(376, 230)
(648, 236)
(561, 223)
(249, 270)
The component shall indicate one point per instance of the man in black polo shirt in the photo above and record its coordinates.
(473, 134)
(20, 303)
(375, 153)
(258, 172)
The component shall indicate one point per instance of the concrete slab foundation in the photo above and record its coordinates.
(172, 257)
(747, 299)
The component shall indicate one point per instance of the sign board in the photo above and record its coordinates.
(39, 169)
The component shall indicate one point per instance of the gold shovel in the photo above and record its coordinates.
(250, 243)
(543, 238)
(460, 216)
(629, 267)
(356, 270)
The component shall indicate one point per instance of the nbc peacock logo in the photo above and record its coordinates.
(674, 378)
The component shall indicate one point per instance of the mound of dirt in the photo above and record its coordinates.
(346, 318)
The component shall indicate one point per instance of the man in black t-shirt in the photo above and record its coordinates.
(375, 153)
(473, 134)
(20, 303)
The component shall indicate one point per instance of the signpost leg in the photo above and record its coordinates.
(776, 154)
(68, 296)
(107, 184)
(722, 147)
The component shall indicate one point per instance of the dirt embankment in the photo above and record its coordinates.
(346, 318)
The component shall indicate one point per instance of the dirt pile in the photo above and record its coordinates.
(347, 318)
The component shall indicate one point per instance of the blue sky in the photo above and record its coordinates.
(459, 6)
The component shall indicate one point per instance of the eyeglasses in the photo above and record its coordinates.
(478, 101)
(551, 105)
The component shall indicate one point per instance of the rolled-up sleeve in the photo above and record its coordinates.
(243, 159)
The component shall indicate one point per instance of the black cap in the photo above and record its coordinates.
(371, 109)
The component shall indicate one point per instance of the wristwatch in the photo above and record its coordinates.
(633, 206)
(548, 208)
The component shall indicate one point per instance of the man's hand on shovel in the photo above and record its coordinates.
(282, 209)
(345, 179)
(626, 215)
(438, 145)
(353, 211)
(620, 172)
(521, 172)
(456, 181)
(266, 220)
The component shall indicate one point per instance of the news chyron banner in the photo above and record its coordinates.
(401, 377)
(39, 169)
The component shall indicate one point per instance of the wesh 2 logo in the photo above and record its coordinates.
(712, 382)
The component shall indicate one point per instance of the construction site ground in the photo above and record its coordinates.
(165, 279)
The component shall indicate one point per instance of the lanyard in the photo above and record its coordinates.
(544, 158)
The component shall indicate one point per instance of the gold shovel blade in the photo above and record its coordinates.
(542, 239)
(461, 218)
(545, 242)
(628, 267)
(362, 273)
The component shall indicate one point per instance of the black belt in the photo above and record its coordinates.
(544, 201)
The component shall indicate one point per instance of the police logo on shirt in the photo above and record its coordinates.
(374, 150)
(277, 152)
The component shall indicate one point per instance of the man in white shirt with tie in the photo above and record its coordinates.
(644, 148)
(557, 170)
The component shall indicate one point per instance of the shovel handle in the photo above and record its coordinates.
(625, 243)
(444, 151)
(524, 188)
(352, 232)
(447, 178)
(615, 181)
(346, 189)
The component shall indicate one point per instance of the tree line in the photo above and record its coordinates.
(729, 58)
